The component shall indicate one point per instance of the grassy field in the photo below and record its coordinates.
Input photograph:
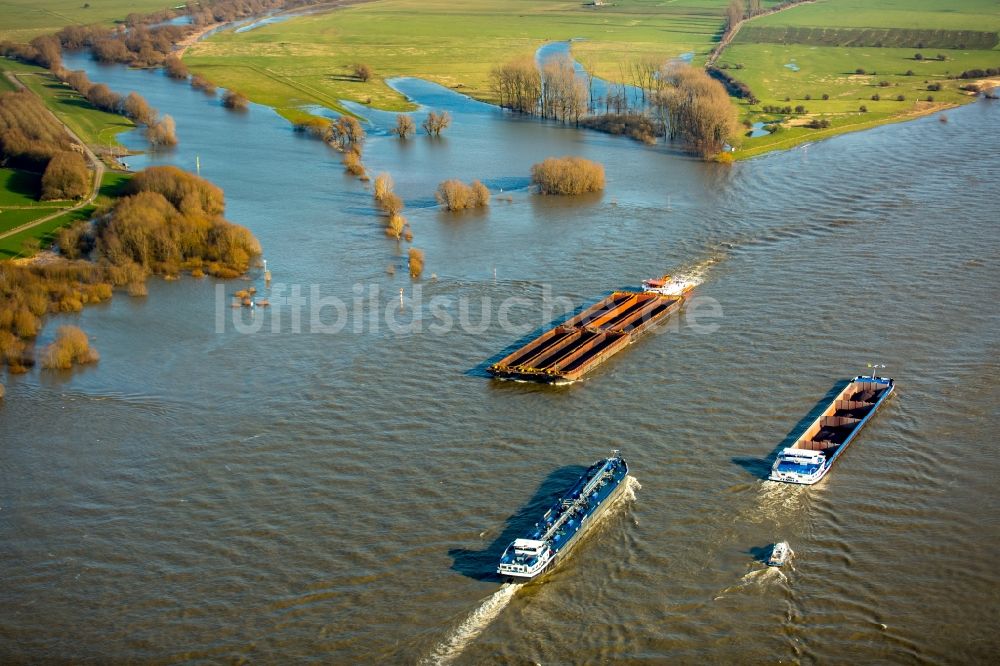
(307, 60)
(787, 60)
(21, 20)
(908, 14)
(19, 188)
(26, 243)
(98, 129)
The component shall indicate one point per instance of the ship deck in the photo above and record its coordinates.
(843, 417)
(570, 350)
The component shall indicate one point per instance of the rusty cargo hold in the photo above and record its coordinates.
(575, 347)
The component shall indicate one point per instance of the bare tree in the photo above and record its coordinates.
(436, 122)
(697, 109)
(734, 13)
(404, 126)
(517, 85)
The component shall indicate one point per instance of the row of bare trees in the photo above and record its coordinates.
(678, 101)
(695, 110)
(554, 91)
(31, 139)
(160, 130)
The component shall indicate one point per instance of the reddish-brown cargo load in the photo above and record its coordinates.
(578, 345)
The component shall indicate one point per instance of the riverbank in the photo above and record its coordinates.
(856, 65)
(309, 60)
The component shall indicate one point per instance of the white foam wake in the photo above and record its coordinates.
(755, 578)
(448, 649)
(696, 273)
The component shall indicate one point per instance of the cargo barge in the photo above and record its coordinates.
(575, 347)
(551, 539)
(814, 453)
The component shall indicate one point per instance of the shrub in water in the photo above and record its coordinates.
(568, 175)
(70, 347)
(416, 261)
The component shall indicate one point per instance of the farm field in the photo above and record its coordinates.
(897, 60)
(308, 60)
(28, 241)
(22, 20)
(910, 14)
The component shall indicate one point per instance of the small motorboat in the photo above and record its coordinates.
(779, 554)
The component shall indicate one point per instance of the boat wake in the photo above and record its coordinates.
(491, 607)
(450, 648)
(697, 273)
(755, 579)
(777, 499)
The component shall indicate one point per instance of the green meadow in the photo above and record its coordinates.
(22, 20)
(26, 243)
(308, 60)
(98, 129)
(852, 50)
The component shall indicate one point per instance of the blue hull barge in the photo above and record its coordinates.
(814, 453)
(562, 525)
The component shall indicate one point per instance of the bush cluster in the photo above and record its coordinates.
(456, 195)
(172, 221)
(416, 261)
(635, 125)
(391, 204)
(237, 101)
(567, 175)
(70, 347)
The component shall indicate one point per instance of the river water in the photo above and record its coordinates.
(206, 493)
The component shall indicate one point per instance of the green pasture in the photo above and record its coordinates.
(21, 20)
(19, 188)
(25, 244)
(977, 15)
(307, 60)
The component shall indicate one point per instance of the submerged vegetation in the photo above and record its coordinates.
(697, 110)
(169, 221)
(172, 221)
(404, 126)
(456, 195)
(436, 122)
(567, 175)
(392, 205)
(71, 347)
(415, 258)
(237, 101)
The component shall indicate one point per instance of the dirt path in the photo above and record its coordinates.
(96, 164)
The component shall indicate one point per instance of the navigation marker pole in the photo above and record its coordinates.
(197, 166)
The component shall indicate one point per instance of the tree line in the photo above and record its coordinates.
(677, 101)
(31, 139)
(160, 130)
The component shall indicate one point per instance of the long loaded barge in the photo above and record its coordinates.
(578, 345)
(552, 538)
(813, 454)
